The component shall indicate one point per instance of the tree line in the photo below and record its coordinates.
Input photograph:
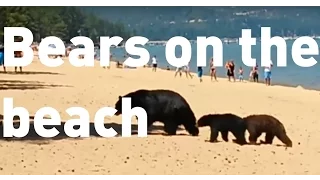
(162, 23)
(63, 22)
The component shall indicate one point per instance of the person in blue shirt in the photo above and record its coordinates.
(2, 58)
(200, 73)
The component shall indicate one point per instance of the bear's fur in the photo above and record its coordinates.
(164, 106)
(224, 123)
(258, 124)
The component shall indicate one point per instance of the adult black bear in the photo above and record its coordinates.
(164, 106)
(258, 124)
(224, 123)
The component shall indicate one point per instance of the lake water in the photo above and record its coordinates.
(292, 75)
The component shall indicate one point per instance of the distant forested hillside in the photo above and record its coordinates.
(63, 22)
(159, 23)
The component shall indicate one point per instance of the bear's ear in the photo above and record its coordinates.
(120, 97)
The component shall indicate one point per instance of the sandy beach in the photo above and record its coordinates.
(93, 88)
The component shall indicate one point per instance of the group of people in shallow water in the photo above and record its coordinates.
(229, 66)
(230, 71)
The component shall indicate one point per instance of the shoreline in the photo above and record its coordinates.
(260, 81)
(225, 78)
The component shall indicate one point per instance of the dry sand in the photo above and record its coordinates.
(93, 88)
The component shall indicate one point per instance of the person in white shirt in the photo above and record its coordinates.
(154, 64)
(267, 74)
(187, 71)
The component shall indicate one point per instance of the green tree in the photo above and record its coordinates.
(63, 22)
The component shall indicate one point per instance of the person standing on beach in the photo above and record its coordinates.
(230, 70)
(267, 74)
(187, 71)
(227, 67)
(18, 54)
(255, 73)
(240, 74)
(67, 51)
(154, 64)
(200, 73)
(2, 58)
(212, 70)
(178, 70)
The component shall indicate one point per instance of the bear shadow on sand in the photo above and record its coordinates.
(33, 137)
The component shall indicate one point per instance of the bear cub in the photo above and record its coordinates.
(224, 123)
(258, 124)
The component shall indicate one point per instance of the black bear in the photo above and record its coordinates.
(224, 123)
(164, 106)
(258, 124)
